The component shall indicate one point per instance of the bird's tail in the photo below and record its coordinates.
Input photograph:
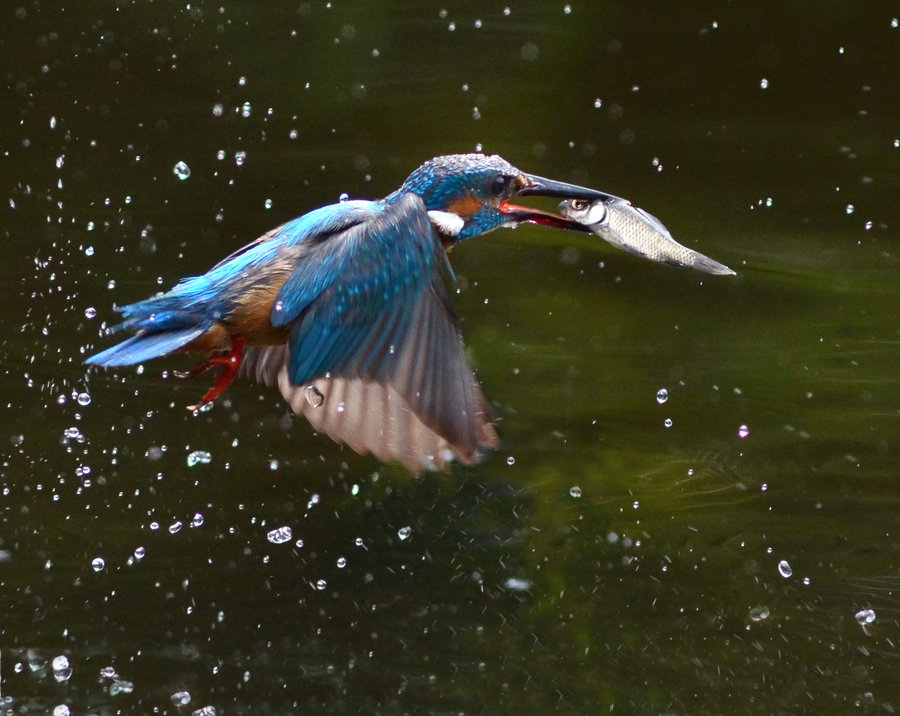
(159, 328)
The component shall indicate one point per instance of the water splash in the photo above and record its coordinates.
(198, 457)
(280, 535)
(181, 171)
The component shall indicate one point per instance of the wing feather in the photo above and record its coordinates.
(376, 360)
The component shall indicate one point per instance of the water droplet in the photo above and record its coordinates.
(864, 617)
(268, 203)
(89, 251)
(280, 535)
(668, 422)
(344, 197)
(84, 399)
(321, 585)
(240, 157)
(273, 464)
(181, 170)
(90, 312)
(575, 491)
(62, 668)
(181, 698)
(139, 553)
(598, 103)
(314, 396)
(758, 614)
(849, 209)
(120, 686)
(62, 710)
(313, 500)
(403, 533)
(175, 527)
(662, 395)
(218, 109)
(341, 562)
(246, 109)
(205, 711)
(72, 433)
(763, 83)
(567, 9)
(743, 431)
(515, 584)
(293, 134)
(98, 564)
(198, 457)
(784, 569)
(197, 520)
(510, 461)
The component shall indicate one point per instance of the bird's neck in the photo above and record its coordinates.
(447, 225)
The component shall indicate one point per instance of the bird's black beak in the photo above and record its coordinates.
(538, 186)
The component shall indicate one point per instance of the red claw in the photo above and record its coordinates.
(231, 364)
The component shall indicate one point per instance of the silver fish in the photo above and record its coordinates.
(634, 230)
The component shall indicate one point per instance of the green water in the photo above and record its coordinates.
(600, 562)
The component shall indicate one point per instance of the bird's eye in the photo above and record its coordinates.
(580, 204)
(498, 185)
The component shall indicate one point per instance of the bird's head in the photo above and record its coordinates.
(470, 194)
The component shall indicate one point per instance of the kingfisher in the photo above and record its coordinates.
(346, 310)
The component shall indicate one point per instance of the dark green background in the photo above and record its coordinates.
(658, 589)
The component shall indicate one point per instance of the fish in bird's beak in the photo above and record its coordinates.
(636, 231)
(538, 186)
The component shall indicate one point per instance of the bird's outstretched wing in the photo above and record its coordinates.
(374, 357)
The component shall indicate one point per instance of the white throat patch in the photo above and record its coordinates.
(447, 223)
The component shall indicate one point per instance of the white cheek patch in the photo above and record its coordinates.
(446, 222)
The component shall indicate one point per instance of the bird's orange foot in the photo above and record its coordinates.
(231, 364)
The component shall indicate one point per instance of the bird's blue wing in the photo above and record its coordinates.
(348, 298)
(169, 321)
(283, 247)
(376, 359)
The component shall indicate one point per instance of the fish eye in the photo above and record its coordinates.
(580, 204)
(498, 185)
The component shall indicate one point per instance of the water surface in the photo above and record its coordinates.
(729, 549)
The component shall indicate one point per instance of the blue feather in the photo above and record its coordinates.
(138, 349)
(376, 267)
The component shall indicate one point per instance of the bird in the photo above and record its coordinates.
(346, 310)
